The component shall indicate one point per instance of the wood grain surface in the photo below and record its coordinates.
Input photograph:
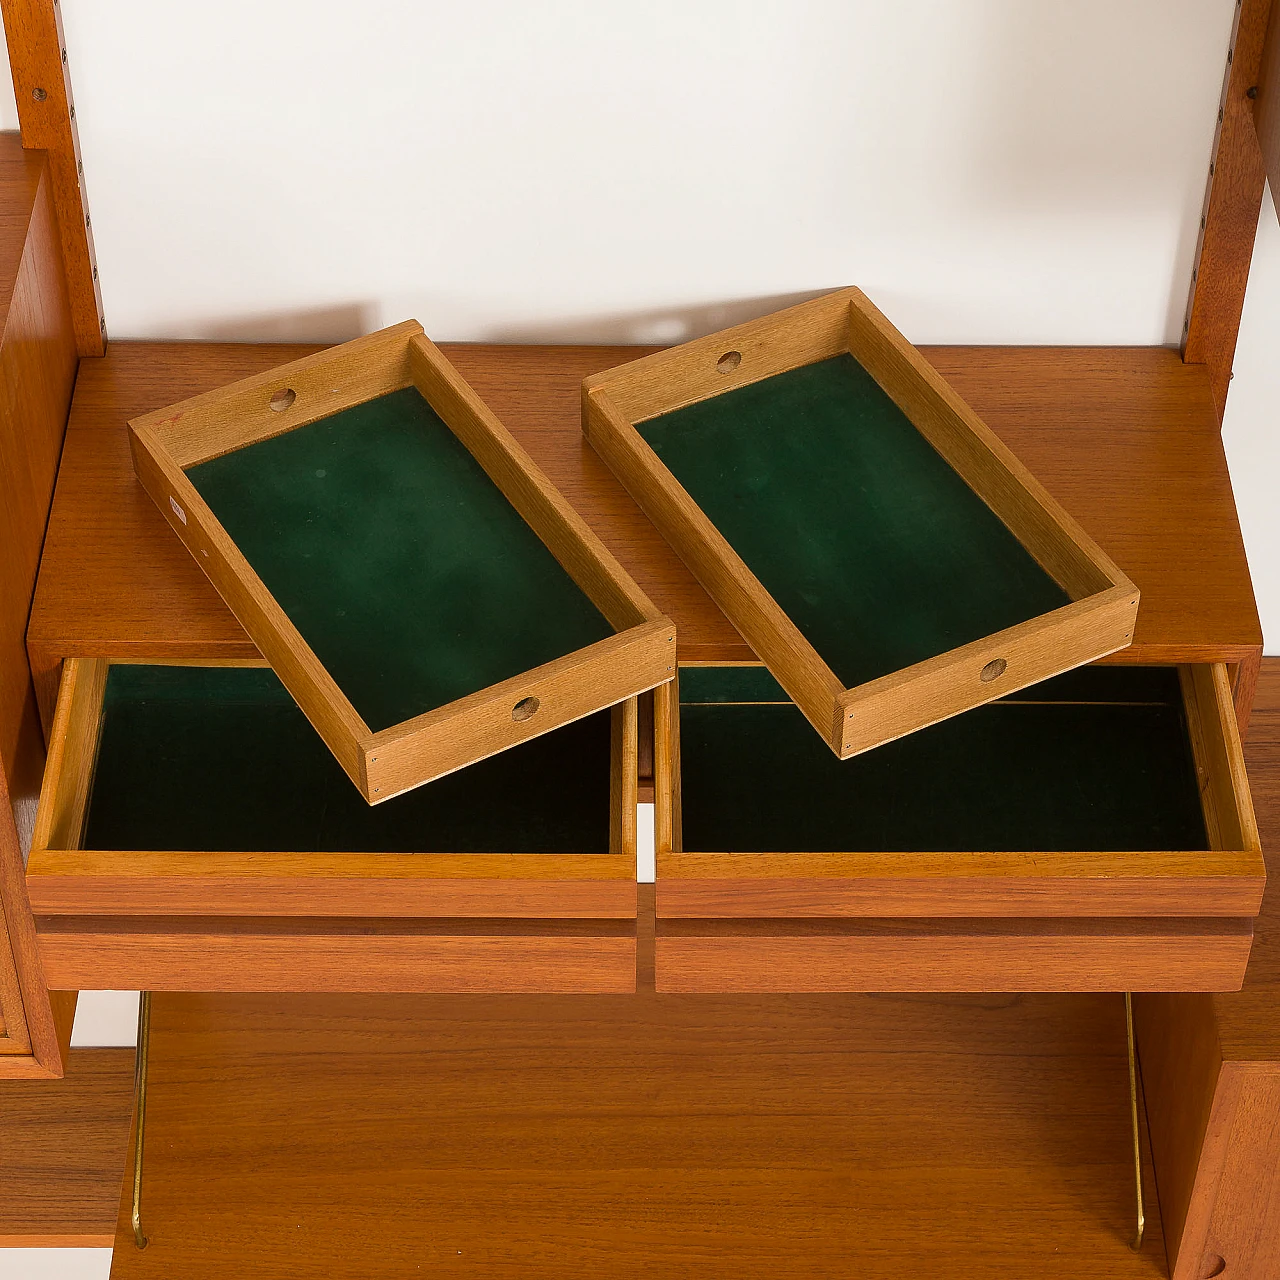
(1266, 107)
(1233, 196)
(42, 88)
(131, 953)
(1211, 1067)
(643, 1135)
(62, 1153)
(1125, 438)
(37, 371)
(951, 955)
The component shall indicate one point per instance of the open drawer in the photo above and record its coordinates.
(1093, 833)
(194, 833)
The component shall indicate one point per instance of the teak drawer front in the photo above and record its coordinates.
(383, 955)
(953, 955)
(880, 549)
(1113, 843)
(423, 592)
(298, 866)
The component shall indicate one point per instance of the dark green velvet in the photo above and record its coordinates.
(730, 684)
(220, 758)
(871, 544)
(397, 558)
(1096, 760)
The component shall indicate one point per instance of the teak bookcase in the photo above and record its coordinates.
(397, 918)
(1032, 918)
(1098, 619)
(382, 764)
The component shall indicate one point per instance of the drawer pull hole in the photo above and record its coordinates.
(993, 670)
(1214, 1265)
(525, 709)
(729, 361)
(283, 399)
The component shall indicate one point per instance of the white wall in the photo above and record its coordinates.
(1251, 426)
(8, 107)
(1006, 171)
(573, 170)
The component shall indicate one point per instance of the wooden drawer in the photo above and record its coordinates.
(194, 833)
(885, 555)
(1093, 833)
(425, 594)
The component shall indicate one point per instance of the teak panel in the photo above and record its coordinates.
(260, 954)
(1211, 1071)
(1103, 602)
(760, 1136)
(1233, 196)
(386, 761)
(42, 89)
(63, 1146)
(953, 956)
(37, 371)
(1126, 439)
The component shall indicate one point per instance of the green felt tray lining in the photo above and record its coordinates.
(221, 759)
(1096, 760)
(402, 565)
(871, 544)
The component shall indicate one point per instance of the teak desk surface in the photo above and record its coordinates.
(1125, 438)
(639, 1135)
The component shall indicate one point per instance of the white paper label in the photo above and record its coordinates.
(177, 510)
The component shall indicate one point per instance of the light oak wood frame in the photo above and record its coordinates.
(395, 759)
(1104, 603)
(65, 881)
(967, 921)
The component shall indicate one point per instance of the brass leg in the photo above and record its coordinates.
(140, 1112)
(1133, 1114)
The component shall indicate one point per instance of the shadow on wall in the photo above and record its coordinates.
(339, 323)
(662, 326)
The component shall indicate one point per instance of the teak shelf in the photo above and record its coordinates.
(1093, 833)
(421, 607)
(787, 1137)
(1124, 438)
(885, 555)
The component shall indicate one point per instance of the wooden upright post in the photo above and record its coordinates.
(47, 114)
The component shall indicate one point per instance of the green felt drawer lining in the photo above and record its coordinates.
(1097, 760)
(402, 565)
(871, 544)
(221, 759)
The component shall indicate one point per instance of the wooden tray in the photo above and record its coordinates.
(1095, 833)
(882, 552)
(197, 803)
(421, 589)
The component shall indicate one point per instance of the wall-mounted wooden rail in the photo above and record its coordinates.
(1233, 197)
(47, 113)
